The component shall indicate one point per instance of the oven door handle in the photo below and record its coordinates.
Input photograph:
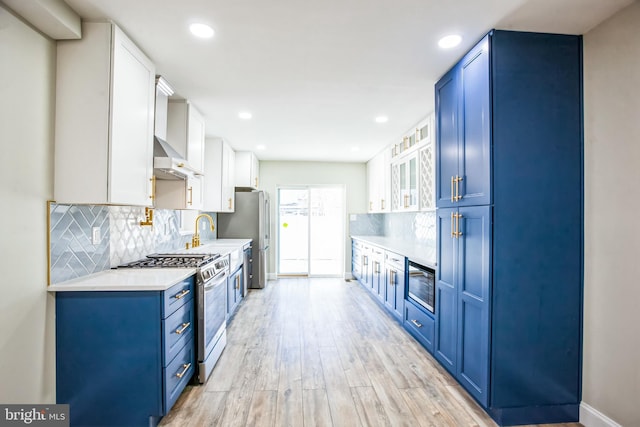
(216, 281)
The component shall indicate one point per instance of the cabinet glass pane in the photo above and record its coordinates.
(413, 181)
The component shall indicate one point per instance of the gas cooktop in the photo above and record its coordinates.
(172, 261)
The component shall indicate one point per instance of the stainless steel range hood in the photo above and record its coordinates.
(167, 162)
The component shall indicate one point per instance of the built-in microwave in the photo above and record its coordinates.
(422, 285)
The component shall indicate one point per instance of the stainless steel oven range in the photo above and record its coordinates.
(211, 300)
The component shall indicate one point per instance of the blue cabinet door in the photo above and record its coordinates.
(463, 132)
(447, 136)
(446, 334)
(473, 238)
(474, 149)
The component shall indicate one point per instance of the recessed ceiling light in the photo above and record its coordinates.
(447, 42)
(354, 149)
(245, 115)
(260, 147)
(382, 119)
(201, 30)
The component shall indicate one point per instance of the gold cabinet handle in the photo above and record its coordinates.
(452, 190)
(382, 207)
(453, 233)
(457, 233)
(237, 282)
(256, 182)
(190, 190)
(180, 165)
(230, 205)
(185, 368)
(415, 322)
(183, 328)
(392, 273)
(406, 200)
(458, 196)
(182, 294)
(153, 187)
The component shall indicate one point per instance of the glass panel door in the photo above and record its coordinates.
(311, 231)
(293, 231)
(327, 231)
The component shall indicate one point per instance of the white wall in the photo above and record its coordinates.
(27, 85)
(352, 175)
(611, 372)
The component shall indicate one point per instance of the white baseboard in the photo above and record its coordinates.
(348, 276)
(272, 276)
(591, 417)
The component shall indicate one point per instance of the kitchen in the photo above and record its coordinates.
(609, 357)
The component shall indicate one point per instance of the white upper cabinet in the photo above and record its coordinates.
(219, 176)
(379, 183)
(186, 132)
(105, 89)
(247, 170)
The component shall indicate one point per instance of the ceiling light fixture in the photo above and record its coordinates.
(260, 147)
(354, 149)
(201, 30)
(447, 42)
(382, 119)
(245, 115)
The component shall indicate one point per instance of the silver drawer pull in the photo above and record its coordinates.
(415, 322)
(182, 294)
(186, 367)
(183, 328)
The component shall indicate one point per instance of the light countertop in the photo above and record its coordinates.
(126, 279)
(420, 253)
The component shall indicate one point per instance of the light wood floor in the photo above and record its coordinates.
(321, 352)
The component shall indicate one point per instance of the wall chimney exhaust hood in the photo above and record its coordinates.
(167, 162)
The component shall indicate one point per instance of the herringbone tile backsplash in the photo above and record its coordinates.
(72, 252)
(122, 239)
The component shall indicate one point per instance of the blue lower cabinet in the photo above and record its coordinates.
(420, 324)
(117, 354)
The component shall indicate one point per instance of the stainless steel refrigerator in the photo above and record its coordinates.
(251, 220)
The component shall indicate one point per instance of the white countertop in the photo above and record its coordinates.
(126, 279)
(420, 253)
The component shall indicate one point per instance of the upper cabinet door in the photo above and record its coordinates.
(247, 170)
(132, 112)
(104, 119)
(447, 137)
(463, 121)
(474, 164)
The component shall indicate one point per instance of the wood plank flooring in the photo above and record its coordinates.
(321, 352)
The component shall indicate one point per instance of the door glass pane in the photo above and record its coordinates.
(326, 231)
(293, 229)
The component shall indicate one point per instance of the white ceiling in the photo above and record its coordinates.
(316, 73)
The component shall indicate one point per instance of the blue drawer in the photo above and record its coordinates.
(420, 324)
(178, 373)
(177, 330)
(177, 295)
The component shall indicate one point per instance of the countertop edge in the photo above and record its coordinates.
(91, 283)
(401, 248)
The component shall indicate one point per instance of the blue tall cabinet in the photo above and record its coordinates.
(509, 192)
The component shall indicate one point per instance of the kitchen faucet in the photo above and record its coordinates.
(195, 240)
